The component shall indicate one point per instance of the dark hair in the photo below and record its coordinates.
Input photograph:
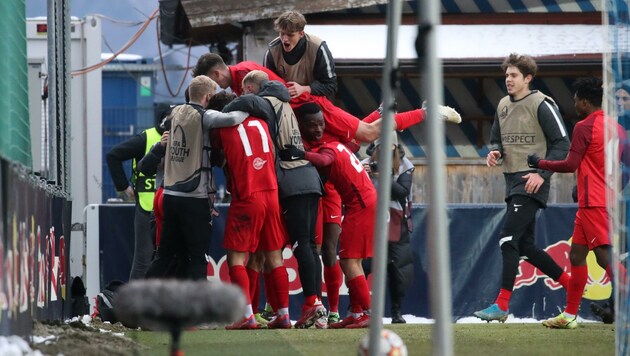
(306, 109)
(525, 64)
(162, 110)
(220, 100)
(206, 63)
(589, 89)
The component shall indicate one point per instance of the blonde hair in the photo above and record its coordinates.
(256, 77)
(290, 21)
(200, 86)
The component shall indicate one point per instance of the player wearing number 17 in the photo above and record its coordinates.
(335, 162)
(254, 222)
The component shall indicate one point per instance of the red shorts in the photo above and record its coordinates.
(357, 233)
(158, 212)
(255, 224)
(591, 227)
(331, 205)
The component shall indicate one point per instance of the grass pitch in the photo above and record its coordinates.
(469, 339)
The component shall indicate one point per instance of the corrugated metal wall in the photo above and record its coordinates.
(15, 142)
(128, 109)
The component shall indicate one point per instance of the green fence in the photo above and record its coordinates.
(15, 142)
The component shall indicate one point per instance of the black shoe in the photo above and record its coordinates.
(606, 313)
(397, 318)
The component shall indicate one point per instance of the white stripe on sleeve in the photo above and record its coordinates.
(328, 68)
(558, 121)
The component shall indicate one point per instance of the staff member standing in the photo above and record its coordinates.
(141, 189)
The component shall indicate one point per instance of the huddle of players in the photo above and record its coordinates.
(280, 138)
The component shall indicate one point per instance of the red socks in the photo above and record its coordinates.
(407, 119)
(280, 286)
(238, 276)
(564, 280)
(359, 294)
(404, 120)
(309, 301)
(503, 299)
(579, 275)
(333, 278)
(254, 287)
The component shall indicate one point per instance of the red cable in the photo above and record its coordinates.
(123, 49)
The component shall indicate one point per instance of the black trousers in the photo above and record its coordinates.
(300, 215)
(517, 240)
(186, 231)
(399, 268)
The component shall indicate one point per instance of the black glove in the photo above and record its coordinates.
(533, 160)
(291, 153)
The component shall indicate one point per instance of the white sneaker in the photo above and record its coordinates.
(446, 113)
(449, 114)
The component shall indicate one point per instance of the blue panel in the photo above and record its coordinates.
(409, 91)
(374, 88)
(450, 6)
(586, 5)
(412, 145)
(484, 6)
(551, 5)
(451, 152)
(518, 6)
(348, 100)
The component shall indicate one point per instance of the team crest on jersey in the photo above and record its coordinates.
(259, 163)
(503, 113)
(282, 71)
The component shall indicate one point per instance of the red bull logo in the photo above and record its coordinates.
(598, 286)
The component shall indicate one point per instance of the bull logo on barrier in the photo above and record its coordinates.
(598, 286)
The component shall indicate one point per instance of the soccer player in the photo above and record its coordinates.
(526, 121)
(299, 186)
(253, 222)
(341, 167)
(587, 156)
(339, 123)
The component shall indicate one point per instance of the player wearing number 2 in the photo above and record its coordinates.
(336, 163)
(253, 221)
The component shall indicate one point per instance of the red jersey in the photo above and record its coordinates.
(249, 154)
(340, 125)
(346, 173)
(587, 154)
(240, 70)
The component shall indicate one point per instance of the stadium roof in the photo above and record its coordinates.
(228, 11)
